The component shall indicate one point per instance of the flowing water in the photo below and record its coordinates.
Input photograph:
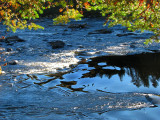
(94, 77)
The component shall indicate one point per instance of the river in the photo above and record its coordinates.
(100, 73)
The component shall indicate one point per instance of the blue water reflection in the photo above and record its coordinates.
(106, 87)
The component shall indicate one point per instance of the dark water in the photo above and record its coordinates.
(106, 87)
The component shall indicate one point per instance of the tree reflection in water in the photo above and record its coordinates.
(143, 68)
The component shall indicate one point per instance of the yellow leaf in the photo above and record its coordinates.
(1, 13)
(60, 10)
(13, 22)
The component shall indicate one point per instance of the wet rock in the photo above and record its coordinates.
(66, 34)
(45, 40)
(69, 45)
(13, 39)
(155, 51)
(132, 46)
(9, 49)
(57, 44)
(78, 25)
(13, 62)
(1, 48)
(72, 66)
(101, 31)
(125, 34)
(99, 39)
(80, 46)
(82, 61)
(81, 53)
(18, 49)
(84, 53)
(32, 76)
(10, 44)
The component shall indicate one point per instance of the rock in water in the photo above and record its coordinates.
(125, 34)
(57, 44)
(9, 49)
(14, 39)
(101, 31)
(13, 62)
(78, 25)
(154, 99)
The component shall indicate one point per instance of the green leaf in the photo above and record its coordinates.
(41, 11)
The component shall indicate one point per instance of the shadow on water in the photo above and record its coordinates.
(56, 94)
(142, 68)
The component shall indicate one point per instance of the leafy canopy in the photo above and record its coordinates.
(15, 13)
(134, 14)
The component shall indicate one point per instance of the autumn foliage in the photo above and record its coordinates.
(134, 14)
(15, 13)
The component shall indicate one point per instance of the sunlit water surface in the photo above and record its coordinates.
(97, 89)
(83, 82)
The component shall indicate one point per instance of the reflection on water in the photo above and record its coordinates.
(143, 68)
(68, 84)
(104, 71)
(93, 88)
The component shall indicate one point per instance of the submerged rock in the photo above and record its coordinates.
(13, 62)
(9, 49)
(14, 39)
(57, 44)
(18, 49)
(81, 53)
(78, 25)
(125, 34)
(101, 31)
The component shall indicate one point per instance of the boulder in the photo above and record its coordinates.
(57, 44)
(78, 25)
(13, 39)
(9, 49)
(101, 31)
(13, 62)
